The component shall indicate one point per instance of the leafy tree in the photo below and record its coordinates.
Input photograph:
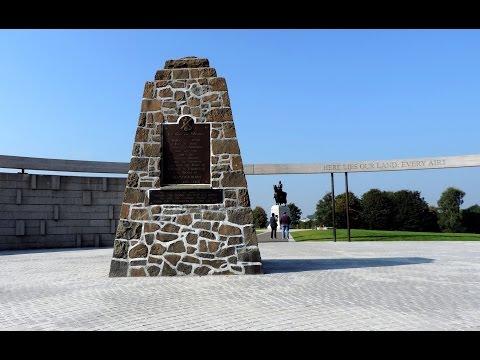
(411, 212)
(377, 210)
(260, 219)
(449, 214)
(430, 219)
(354, 207)
(471, 219)
(323, 211)
(295, 213)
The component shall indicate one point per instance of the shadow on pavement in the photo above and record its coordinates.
(298, 265)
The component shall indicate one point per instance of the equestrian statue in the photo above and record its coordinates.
(280, 196)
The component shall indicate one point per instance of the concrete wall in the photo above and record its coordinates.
(48, 211)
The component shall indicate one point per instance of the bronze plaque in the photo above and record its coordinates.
(186, 153)
(186, 196)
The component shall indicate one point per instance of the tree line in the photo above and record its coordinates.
(400, 210)
(403, 210)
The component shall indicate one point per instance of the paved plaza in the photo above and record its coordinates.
(307, 286)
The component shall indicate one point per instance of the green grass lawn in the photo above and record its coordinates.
(380, 235)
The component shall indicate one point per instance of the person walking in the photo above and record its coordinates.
(285, 224)
(273, 226)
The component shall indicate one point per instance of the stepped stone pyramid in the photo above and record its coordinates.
(186, 208)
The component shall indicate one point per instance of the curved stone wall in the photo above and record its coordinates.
(52, 211)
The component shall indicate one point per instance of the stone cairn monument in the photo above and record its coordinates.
(186, 208)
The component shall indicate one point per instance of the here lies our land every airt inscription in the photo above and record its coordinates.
(186, 160)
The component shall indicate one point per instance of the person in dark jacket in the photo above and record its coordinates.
(285, 224)
(273, 227)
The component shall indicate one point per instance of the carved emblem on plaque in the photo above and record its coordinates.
(186, 123)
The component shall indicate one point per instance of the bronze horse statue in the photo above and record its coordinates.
(280, 196)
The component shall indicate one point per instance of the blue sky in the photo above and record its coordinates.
(297, 96)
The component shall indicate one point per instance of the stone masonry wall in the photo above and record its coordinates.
(53, 211)
(155, 240)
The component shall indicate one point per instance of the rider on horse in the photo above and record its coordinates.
(280, 196)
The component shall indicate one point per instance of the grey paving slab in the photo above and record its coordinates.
(307, 286)
(265, 237)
